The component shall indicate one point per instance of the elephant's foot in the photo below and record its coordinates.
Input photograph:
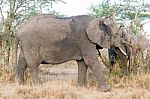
(36, 80)
(105, 88)
(19, 77)
(125, 73)
(37, 84)
(34, 75)
(19, 82)
(82, 84)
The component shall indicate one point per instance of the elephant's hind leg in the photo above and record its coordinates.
(82, 70)
(20, 68)
(34, 75)
(33, 62)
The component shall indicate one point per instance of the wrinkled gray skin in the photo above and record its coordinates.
(123, 50)
(134, 45)
(46, 39)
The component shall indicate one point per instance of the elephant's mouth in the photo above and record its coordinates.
(98, 47)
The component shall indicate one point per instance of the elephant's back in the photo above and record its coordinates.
(45, 28)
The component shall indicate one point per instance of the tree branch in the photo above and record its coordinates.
(2, 16)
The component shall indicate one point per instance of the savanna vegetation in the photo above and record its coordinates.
(60, 81)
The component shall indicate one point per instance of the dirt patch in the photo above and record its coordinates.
(60, 82)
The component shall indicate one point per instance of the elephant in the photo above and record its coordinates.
(135, 45)
(122, 51)
(45, 39)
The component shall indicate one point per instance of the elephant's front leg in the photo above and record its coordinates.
(93, 63)
(82, 70)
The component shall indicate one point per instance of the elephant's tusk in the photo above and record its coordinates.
(122, 51)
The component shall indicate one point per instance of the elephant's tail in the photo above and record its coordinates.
(16, 49)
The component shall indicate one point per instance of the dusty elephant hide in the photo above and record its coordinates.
(47, 39)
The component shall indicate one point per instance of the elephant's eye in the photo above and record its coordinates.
(102, 34)
(108, 37)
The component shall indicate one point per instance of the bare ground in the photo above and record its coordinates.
(60, 82)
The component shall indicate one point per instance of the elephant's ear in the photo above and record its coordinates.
(100, 27)
(93, 31)
(97, 32)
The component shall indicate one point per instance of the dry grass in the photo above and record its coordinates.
(60, 82)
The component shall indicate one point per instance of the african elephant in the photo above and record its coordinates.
(136, 44)
(52, 40)
(122, 51)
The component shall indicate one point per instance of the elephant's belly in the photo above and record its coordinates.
(56, 55)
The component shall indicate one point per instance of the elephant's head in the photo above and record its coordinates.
(126, 38)
(120, 36)
(101, 31)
